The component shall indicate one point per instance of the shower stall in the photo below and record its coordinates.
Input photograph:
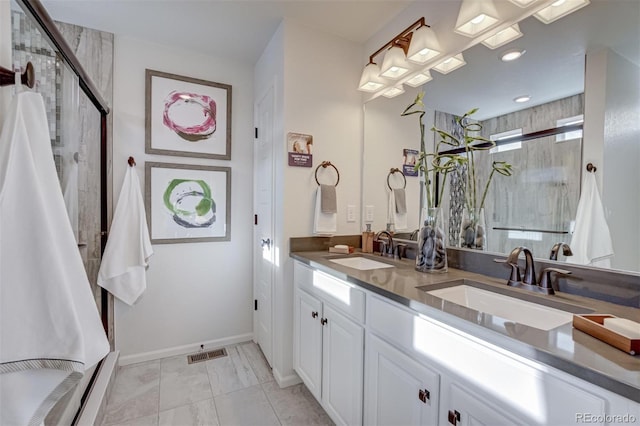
(73, 69)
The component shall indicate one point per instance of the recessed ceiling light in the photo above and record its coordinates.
(512, 55)
(521, 99)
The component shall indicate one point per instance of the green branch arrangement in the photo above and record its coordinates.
(430, 163)
(472, 142)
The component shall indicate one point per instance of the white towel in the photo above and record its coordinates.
(399, 220)
(323, 223)
(70, 194)
(591, 242)
(124, 263)
(50, 329)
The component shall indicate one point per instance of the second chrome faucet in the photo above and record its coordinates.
(529, 281)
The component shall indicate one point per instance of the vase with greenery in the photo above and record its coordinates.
(473, 232)
(432, 253)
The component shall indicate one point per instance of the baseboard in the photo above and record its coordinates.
(93, 409)
(185, 349)
(286, 381)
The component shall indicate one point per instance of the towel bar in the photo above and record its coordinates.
(396, 170)
(324, 165)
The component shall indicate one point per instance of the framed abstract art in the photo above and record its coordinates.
(187, 203)
(187, 117)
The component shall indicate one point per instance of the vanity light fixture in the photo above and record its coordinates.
(522, 99)
(450, 64)
(371, 80)
(475, 17)
(523, 3)
(395, 64)
(512, 55)
(503, 37)
(419, 78)
(393, 91)
(559, 9)
(424, 45)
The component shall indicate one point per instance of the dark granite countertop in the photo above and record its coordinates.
(565, 348)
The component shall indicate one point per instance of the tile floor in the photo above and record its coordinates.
(238, 389)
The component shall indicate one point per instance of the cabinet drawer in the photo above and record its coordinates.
(391, 322)
(341, 295)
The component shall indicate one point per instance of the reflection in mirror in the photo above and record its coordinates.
(602, 38)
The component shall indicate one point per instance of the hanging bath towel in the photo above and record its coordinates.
(397, 213)
(591, 242)
(124, 263)
(325, 222)
(50, 329)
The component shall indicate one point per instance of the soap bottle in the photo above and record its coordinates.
(367, 240)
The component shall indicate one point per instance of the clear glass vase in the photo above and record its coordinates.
(432, 250)
(473, 229)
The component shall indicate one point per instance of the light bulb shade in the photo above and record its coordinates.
(371, 80)
(424, 46)
(503, 37)
(448, 65)
(395, 64)
(393, 91)
(475, 17)
(559, 9)
(419, 78)
(523, 3)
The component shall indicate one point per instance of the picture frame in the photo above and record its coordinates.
(186, 116)
(187, 203)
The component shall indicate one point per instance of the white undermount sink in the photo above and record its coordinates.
(360, 263)
(506, 307)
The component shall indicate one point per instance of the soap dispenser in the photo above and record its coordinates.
(367, 240)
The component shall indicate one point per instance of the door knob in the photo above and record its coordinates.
(266, 242)
(314, 315)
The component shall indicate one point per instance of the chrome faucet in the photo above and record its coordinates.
(529, 268)
(386, 247)
(529, 281)
(566, 250)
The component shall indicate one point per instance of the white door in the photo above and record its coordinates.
(398, 390)
(264, 228)
(342, 367)
(307, 357)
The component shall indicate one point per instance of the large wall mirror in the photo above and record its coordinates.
(536, 207)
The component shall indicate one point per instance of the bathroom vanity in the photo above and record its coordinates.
(377, 342)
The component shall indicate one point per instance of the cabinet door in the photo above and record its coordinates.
(465, 409)
(342, 375)
(307, 356)
(398, 390)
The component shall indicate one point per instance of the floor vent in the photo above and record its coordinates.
(205, 356)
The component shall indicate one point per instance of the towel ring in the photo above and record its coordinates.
(396, 170)
(591, 168)
(324, 165)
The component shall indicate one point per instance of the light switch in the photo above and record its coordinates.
(351, 213)
(368, 213)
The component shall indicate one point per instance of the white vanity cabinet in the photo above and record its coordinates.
(479, 383)
(398, 389)
(329, 342)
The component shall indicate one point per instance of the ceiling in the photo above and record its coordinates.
(552, 68)
(234, 29)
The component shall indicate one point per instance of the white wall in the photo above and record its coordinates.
(319, 73)
(620, 194)
(198, 292)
